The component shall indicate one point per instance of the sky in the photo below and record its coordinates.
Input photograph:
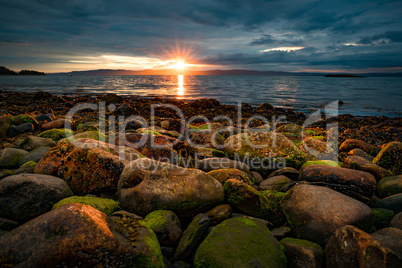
(278, 35)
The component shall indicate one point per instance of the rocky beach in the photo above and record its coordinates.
(103, 180)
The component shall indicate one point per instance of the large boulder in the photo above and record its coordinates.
(391, 238)
(389, 186)
(240, 242)
(351, 247)
(271, 149)
(34, 155)
(358, 163)
(78, 235)
(254, 203)
(390, 157)
(358, 180)
(91, 170)
(105, 205)
(56, 134)
(26, 196)
(315, 212)
(147, 185)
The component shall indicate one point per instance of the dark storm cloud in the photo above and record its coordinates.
(222, 32)
(382, 39)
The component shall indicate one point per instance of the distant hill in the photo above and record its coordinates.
(6, 71)
(212, 72)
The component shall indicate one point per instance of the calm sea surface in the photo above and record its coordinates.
(361, 96)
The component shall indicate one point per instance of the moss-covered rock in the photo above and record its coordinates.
(359, 163)
(27, 167)
(382, 217)
(389, 186)
(25, 118)
(272, 150)
(219, 213)
(240, 242)
(254, 203)
(94, 135)
(57, 134)
(32, 142)
(88, 126)
(303, 253)
(390, 157)
(105, 205)
(222, 175)
(321, 162)
(166, 225)
(10, 157)
(319, 149)
(5, 124)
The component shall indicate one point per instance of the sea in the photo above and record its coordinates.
(379, 96)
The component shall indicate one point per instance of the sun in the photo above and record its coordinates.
(179, 65)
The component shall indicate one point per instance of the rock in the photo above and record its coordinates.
(105, 205)
(88, 126)
(351, 144)
(7, 225)
(9, 157)
(320, 162)
(315, 212)
(383, 217)
(318, 149)
(5, 124)
(391, 238)
(123, 213)
(27, 167)
(390, 157)
(14, 131)
(257, 177)
(268, 151)
(240, 242)
(223, 175)
(166, 225)
(291, 128)
(282, 232)
(93, 135)
(393, 202)
(215, 163)
(91, 170)
(31, 195)
(24, 118)
(226, 132)
(289, 172)
(59, 123)
(343, 176)
(358, 163)
(60, 237)
(254, 203)
(34, 156)
(274, 183)
(31, 143)
(5, 173)
(351, 247)
(43, 118)
(156, 147)
(219, 213)
(185, 191)
(51, 162)
(165, 124)
(389, 186)
(303, 253)
(397, 221)
(205, 138)
(359, 152)
(56, 134)
(191, 237)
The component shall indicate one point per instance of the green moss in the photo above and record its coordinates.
(150, 132)
(56, 134)
(152, 242)
(206, 126)
(321, 162)
(303, 243)
(383, 216)
(31, 164)
(156, 218)
(318, 137)
(310, 132)
(105, 205)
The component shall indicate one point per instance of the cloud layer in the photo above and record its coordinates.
(341, 35)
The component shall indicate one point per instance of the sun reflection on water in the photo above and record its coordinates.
(180, 81)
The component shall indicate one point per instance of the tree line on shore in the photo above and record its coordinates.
(6, 71)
